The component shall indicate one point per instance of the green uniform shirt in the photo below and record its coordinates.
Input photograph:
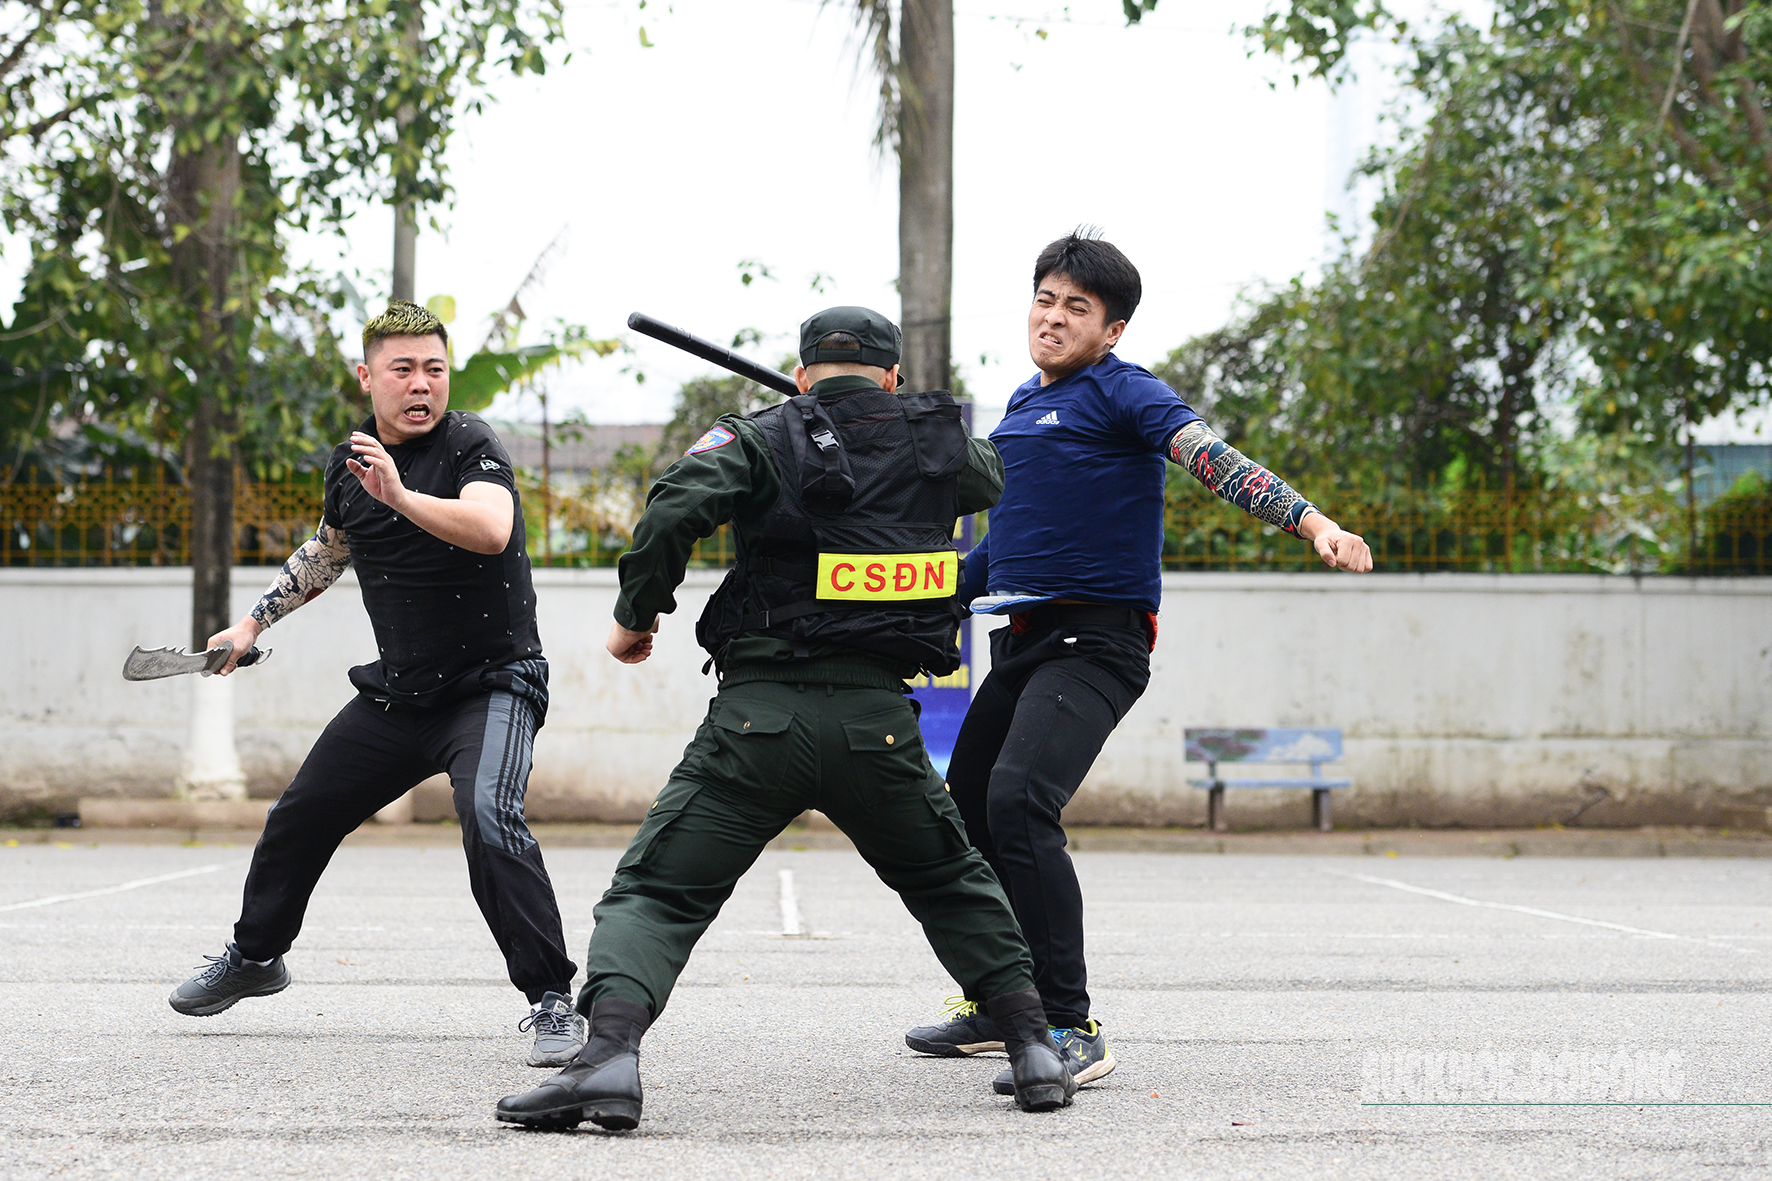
(737, 482)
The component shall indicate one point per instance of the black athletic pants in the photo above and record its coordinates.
(368, 757)
(1055, 692)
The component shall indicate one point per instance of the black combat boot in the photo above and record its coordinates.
(1042, 1082)
(601, 1085)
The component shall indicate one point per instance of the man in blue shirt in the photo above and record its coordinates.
(1073, 557)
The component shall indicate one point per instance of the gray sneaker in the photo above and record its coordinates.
(559, 1031)
(227, 979)
(1084, 1050)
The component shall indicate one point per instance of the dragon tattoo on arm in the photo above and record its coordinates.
(309, 570)
(1233, 477)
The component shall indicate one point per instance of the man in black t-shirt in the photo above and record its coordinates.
(422, 501)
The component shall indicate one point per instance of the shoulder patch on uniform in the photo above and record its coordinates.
(717, 437)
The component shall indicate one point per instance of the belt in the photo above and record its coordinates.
(848, 674)
(1083, 615)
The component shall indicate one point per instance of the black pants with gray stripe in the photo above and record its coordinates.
(368, 757)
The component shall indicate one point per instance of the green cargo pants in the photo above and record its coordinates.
(767, 752)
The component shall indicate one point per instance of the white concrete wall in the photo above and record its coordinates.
(1466, 699)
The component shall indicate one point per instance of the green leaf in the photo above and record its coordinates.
(486, 375)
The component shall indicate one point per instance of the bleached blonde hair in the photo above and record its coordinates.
(403, 318)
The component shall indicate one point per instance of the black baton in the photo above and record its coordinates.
(707, 350)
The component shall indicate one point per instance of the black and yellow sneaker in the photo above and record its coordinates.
(967, 1030)
(1084, 1050)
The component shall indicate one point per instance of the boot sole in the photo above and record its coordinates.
(1042, 1098)
(222, 1006)
(616, 1115)
(950, 1050)
(560, 1119)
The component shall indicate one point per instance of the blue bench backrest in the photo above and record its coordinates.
(1262, 746)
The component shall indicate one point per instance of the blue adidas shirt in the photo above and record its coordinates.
(1083, 470)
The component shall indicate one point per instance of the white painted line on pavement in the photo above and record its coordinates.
(135, 885)
(790, 905)
(1535, 911)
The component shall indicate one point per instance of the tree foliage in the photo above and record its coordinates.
(488, 373)
(159, 153)
(190, 138)
(1571, 237)
(700, 401)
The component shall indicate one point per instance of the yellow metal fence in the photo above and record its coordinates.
(146, 522)
(1530, 531)
(139, 523)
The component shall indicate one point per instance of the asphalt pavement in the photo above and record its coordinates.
(1273, 1015)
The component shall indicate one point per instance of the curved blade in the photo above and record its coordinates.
(150, 664)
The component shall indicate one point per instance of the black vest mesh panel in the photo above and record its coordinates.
(895, 509)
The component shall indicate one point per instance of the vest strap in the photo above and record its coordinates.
(827, 484)
(776, 616)
(850, 674)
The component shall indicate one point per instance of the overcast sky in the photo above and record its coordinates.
(743, 133)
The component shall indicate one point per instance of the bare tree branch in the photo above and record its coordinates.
(1417, 184)
(1673, 83)
(1755, 115)
(1690, 148)
(1707, 33)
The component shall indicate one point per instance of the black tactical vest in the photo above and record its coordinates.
(858, 550)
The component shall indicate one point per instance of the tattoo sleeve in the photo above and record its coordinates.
(309, 570)
(1232, 477)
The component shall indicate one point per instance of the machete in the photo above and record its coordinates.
(150, 664)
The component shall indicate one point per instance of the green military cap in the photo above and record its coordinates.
(879, 337)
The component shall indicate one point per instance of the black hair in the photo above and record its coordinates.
(839, 340)
(1097, 267)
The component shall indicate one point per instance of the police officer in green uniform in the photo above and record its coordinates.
(843, 500)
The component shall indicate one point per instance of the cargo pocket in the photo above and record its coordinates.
(938, 434)
(885, 755)
(941, 802)
(752, 744)
(659, 819)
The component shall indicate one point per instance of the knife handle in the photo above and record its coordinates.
(251, 656)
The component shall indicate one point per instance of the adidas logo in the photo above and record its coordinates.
(1049, 419)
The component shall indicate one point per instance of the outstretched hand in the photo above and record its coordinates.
(375, 468)
(1341, 550)
(630, 647)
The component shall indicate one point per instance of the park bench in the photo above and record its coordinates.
(1315, 747)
